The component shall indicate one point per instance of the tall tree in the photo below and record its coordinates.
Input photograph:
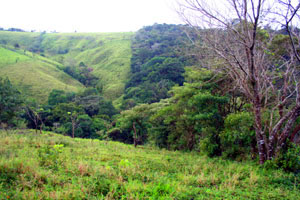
(238, 47)
(134, 122)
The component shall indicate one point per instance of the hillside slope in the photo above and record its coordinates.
(108, 54)
(35, 76)
(51, 166)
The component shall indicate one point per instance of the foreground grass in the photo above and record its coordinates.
(51, 166)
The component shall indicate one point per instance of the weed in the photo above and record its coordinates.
(49, 156)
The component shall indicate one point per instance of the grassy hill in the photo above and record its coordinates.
(51, 166)
(34, 75)
(108, 54)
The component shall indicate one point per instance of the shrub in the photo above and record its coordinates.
(289, 158)
(238, 135)
(210, 144)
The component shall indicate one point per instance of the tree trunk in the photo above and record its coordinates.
(36, 126)
(260, 140)
(134, 134)
(41, 128)
(73, 128)
(191, 140)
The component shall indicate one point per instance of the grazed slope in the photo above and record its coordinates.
(35, 76)
(51, 166)
(108, 54)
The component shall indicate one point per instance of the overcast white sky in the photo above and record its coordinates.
(86, 15)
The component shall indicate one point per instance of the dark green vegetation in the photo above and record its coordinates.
(10, 102)
(157, 63)
(52, 166)
(196, 117)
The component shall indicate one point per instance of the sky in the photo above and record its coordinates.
(86, 15)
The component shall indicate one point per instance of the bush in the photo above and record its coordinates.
(238, 135)
(116, 134)
(210, 144)
(62, 129)
(289, 158)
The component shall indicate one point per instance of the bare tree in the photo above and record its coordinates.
(237, 46)
(74, 121)
(35, 115)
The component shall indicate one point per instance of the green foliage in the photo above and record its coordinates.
(87, 112)
(95, 104)
(60, 112)
(136, 117)
(157, 40)
(116, 134)
(289, 158)
(83, 74)
(85, 127)
(210, 142)
(191, 120)
(155, 80)
(10, 101)
(100, 123)
(156, 63)
(238, 136)
(59, 96)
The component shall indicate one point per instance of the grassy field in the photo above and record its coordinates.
(51, 166)
(34, 75)
(8, 57)
(108, 54)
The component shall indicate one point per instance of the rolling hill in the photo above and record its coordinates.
(35, 76)
(108, 54)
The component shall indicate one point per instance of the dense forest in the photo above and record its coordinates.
(156, 64)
